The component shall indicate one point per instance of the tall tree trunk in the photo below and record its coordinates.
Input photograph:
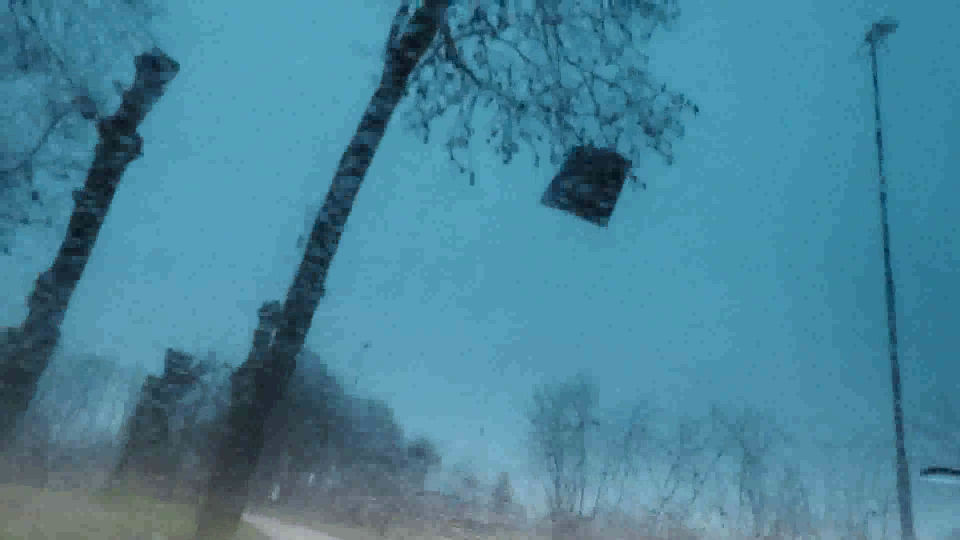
(260, 383)
(149, 460)
(25, 351)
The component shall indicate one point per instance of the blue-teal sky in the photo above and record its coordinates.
(749, 272)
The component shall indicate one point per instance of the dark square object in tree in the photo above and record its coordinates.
(589, 183)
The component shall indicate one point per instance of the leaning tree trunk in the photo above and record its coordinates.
(25, 351)
(261, 381)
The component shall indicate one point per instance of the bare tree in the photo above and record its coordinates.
(58, 32)
(792, 515)
(26, 351)
(502, 496)
(465, 486)
(678, 458)
(559, 74)
(422, 458)
(68, 434)
(163, 431)
(860, 492)
(754, 438)
(606, 470)
(261, 382)
(563, 424)
(452, 71)
(58, 73)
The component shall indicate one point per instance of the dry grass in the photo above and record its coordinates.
(28, 513)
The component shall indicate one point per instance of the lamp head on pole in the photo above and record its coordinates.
(880, 30)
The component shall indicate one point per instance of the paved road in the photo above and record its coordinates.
(278, 530)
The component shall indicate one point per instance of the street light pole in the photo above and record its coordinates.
(878, 31)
